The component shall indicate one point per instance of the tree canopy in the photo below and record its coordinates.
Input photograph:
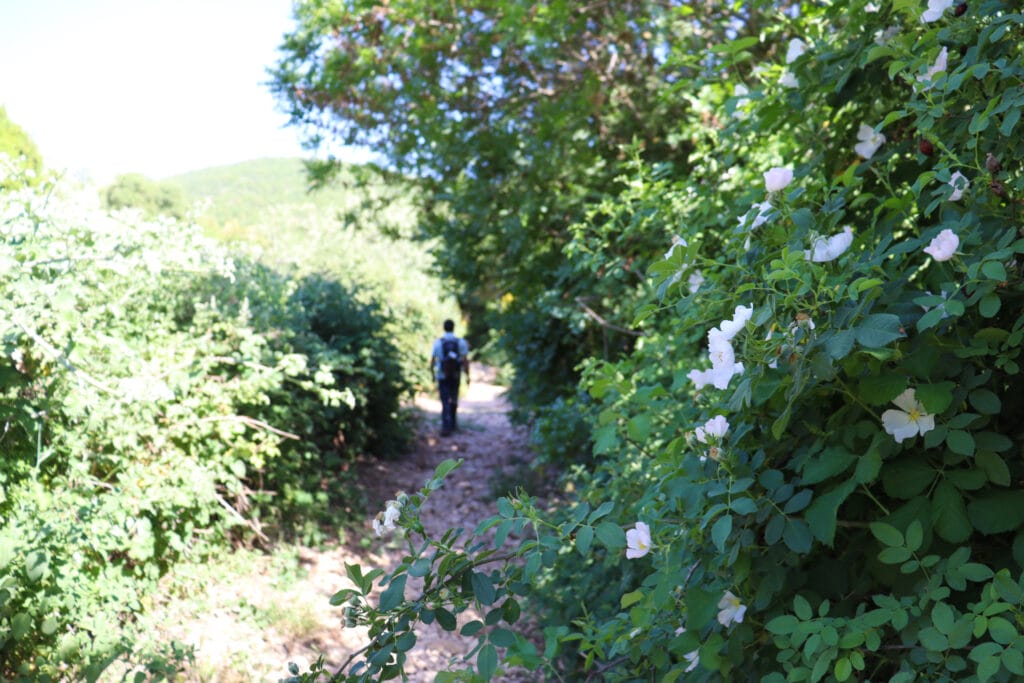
(17, 144)
(134, 190)
(514, 116)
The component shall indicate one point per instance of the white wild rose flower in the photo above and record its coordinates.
(777, 178)
(731, 610)
(830, 248)
(796, 48)
(870, 141)
(943, 246)
(935, 10)
(638, 541)
(910, 420)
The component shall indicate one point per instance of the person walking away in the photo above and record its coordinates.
(448, 358)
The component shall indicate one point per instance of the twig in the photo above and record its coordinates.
(62, 359)
(251, 422)
(237, 515)
(604, 323)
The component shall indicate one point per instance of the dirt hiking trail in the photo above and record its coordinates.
(294, 620)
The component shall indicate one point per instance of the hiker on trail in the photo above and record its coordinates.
(448, 358)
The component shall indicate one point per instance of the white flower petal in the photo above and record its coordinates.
(777, 178)
(908, 401)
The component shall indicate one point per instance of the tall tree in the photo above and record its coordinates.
(154, 198)
(514, 116)
(17, 144)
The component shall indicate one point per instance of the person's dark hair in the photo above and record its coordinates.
(449, 326)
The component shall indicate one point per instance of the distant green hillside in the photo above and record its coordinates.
(244, 194)
(346, 231)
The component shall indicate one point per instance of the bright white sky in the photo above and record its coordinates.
(157, 87)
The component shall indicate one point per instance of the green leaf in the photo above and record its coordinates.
(839, 344)
(701, 608)
(943, 617)
(21, 624)
(37, 565)
(933, 639)
(887, 534)
(445, 467)
(930, 319)
(989, 305)
(611, 535)
(734, 46)
(821, 515)
(510, 611)
(914, 536)
(994, 467)
(1010, 120)
(483, 589)
(985, 402)
(879, 390)
(720, 531)
(584, 537)
(783, 624)
(639, 428)
(7, 551)
(342, 596)
(420, 567)
(802, 608)
(393, 596)
(949, 514)
(406, 641)
(960, 442)
(843, 669)
(797, 536)
(472, 628)
(487, 661)
(743, 506)
(987, 668)
(1007, 588)
(828, 463)
(1001, 630)
(868, 467)
(997, 512)
(602, 510)
(631, 598)
(445, 619)
(935, 397)
(994, 270)
(894, 555)
(502, 637)
(877, 330)
(1013, 660)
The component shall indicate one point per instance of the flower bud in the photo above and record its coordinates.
(992, 163)
(925, 147)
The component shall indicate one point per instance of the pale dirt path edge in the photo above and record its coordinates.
(490, 446)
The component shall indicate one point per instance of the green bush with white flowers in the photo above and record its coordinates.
(809, 467)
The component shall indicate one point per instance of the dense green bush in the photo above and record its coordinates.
(136, 191)
(808, 468)
(359, 231)
(158, 400)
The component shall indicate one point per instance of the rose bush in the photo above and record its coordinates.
(832, 537)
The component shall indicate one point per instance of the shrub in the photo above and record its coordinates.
(159, 400)
(809, 462)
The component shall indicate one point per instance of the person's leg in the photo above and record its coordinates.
(455, 406)
(447, 411)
